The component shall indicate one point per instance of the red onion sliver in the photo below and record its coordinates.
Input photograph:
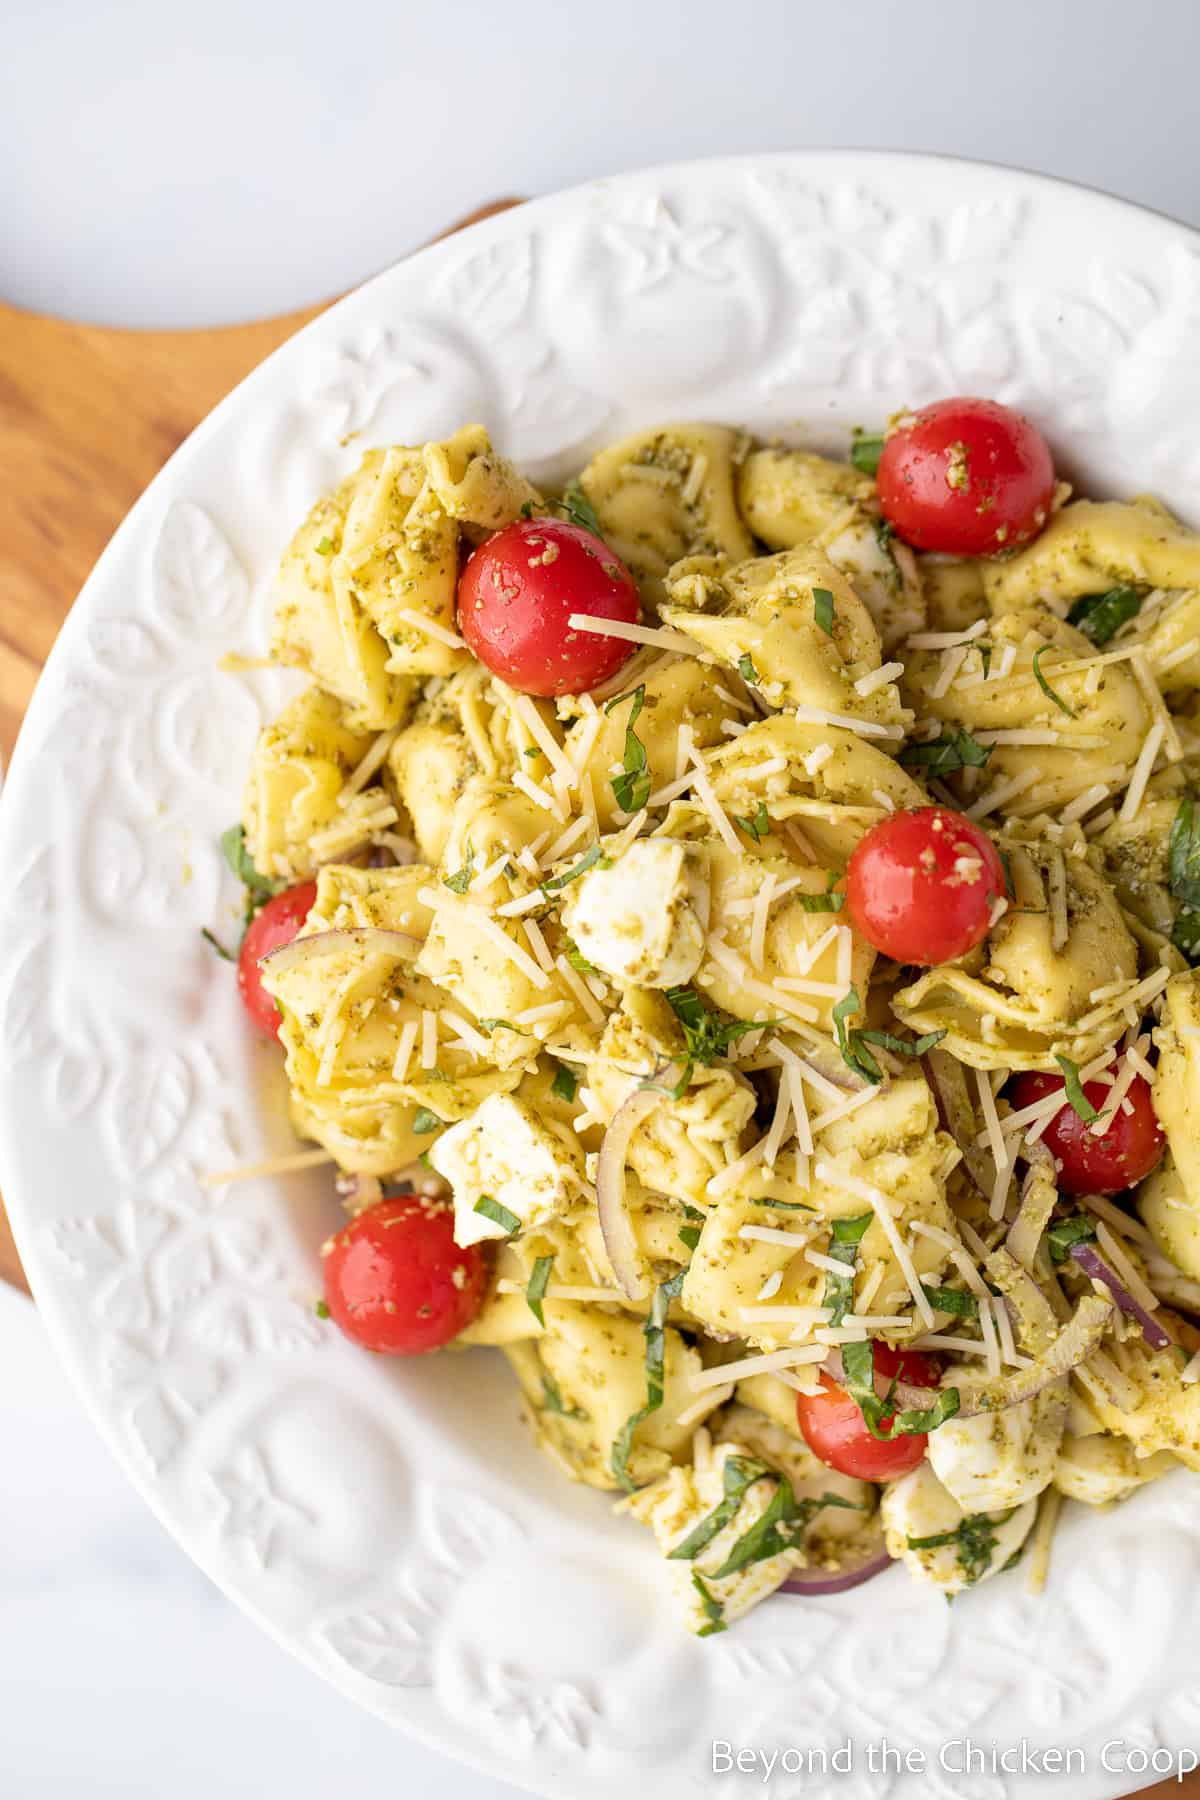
(1094, 1265)
(814, 1582)
(327, 943)
(615, 1228)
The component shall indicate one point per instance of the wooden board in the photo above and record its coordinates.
(88, 416)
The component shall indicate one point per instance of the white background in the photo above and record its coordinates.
(162, 165)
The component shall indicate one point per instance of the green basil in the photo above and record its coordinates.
(654, 1331)
(1100, 616)
(858, 1362)
(631, 789)
(954, 749)
(823, 609)
(499, 1215)
(866, 448)
(1076, 1097)
(565, 1085)
(843, 1247)
(535, 1292)
(1045, 685)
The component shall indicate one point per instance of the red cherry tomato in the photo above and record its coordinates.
(278, 923)
(920, 885)
(835, 1430)
(516, 597)
(1125, 1153)
(397, 1283)
(968, 477)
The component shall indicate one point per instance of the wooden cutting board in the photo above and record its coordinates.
(88, 416)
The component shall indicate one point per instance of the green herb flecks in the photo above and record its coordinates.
(953, 1300)
(535, 1292)
(324, 546)
(954, 749)
(866, 448)
(823, 609)
(714, 1612)
(1183, 877)
(631, 789)
(322, 1309)
(425, 1121)
(565, 1085)
(654, 1331)
(579, 509)
(215, 943)
(499, 1215)
(707, 1034)
(858, 1363)
(577, 959)
(974, 1539)
(1064, 1234)
(826, 902)
(1101, 616)
(591, 859)
(1049, 692)
(786, 1205)
(1076, 1097)
(847, 1235)
(781, 1527)
(689, 1234)
(460, 881)
(490, 1025)
(738, 1477)
(747, 670)
(757, 825)
(910, 1047)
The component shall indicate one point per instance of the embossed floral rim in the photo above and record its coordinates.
(369, 1519)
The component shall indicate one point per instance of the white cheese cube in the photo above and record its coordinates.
(639, 921)
(531, 1167)
(1001, 1459)
(969, 1550)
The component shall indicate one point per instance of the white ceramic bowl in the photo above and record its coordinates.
(390, 1523)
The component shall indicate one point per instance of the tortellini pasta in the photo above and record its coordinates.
(589, 966)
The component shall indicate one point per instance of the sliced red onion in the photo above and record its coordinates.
(1094, 1265)
(1030, 1307)
(815, 1582)
(1073, 1345)
(956, 1111)
(327, 943)
(615, 1228)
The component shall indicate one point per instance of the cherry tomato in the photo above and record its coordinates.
(968, 477)
(835, 1430)
(516, 597)
(1132, 1145)
(920, 885)
(397, 1283)
(278, 923)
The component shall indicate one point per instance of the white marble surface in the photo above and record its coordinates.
(123, 1672)
(168, 166)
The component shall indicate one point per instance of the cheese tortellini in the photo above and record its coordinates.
(584, 970)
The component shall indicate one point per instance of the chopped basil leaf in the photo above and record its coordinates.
(866, 448)
(738, 1477)
(499, 1215)
(526, 511)
(490, 1025)
(324, 546)
(459, 882)
(985, 657)
(786, 1205)
(322, 1310)
(689, 1235)
(1063, 1234)
(706, 1034)
(553, 1402)
(858, 1361)
(1076, 1097)
(579, 509)
(758, 825)
(747, 670)
(1183, 854)
(1185, 933)
(631, 789)
(826, 902)
(539, 1280)
(855, 1055)
(974, 1538)
(954, 749)
(216, 944)
(823, 611)
(714, 1612)
(654, 1332)
(843, 1247)
(953, 1300)
(259, 888)
(565, 1085)
(1099, 616)
(1045, 685)
(781, 1527)
(911, 1047)
(577, 959)
(591, 859)
(425, 1121)
(531, 750)
(1006, 865)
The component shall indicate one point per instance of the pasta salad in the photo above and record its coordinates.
(730, 925)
